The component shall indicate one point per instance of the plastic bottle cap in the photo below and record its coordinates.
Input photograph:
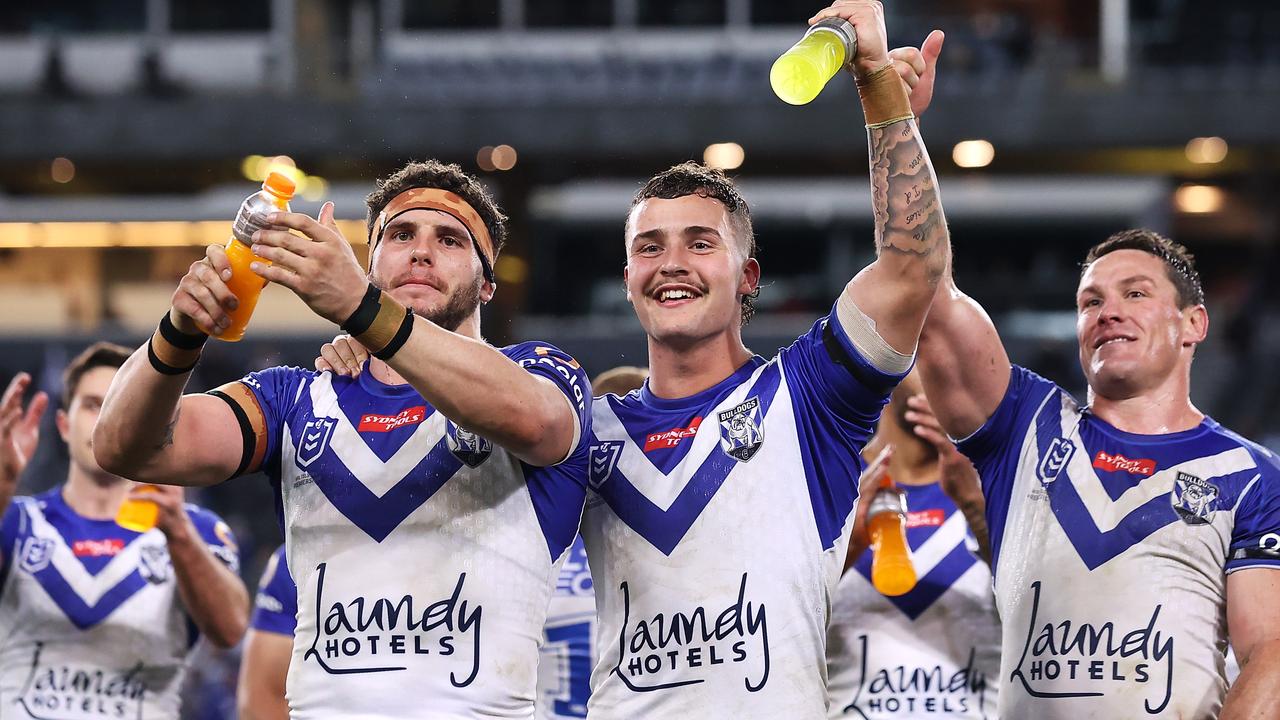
(279, 184)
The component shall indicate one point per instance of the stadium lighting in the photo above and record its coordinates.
(1206, 150)
(504, 157)
(724, 156)
(973, 153)
(1198, 199)
(62, 170)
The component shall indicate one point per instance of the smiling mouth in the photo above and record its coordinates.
(1112, 341)
(674, 295)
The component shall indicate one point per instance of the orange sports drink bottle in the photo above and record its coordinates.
(799, 74)
(246, 285)
(892, 572)
(138, 515)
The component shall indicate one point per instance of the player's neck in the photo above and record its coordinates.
(677, 372)
(94, 497)
(1164, 409)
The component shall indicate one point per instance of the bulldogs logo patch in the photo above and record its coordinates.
(741, 431)
(1192, 498)
(467, 446)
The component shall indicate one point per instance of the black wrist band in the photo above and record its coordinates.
(365, 313)
(179, 339)
(163, 367)
(398, 340)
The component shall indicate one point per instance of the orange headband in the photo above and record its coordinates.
(446, 202)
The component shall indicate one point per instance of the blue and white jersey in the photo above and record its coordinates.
(424, 555)
(564, 670)
(933, 652)
(91, 623)
(275, 608)
(716, 530)
(1111, 555)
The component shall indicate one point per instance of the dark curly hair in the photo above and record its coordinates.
(435, 174)
(1179, 264)
(693, 178)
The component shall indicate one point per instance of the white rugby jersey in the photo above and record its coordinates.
(424, 556)
(564, 670)
(91, 624)
(716, 531)
(933, 652)
(1111, 555)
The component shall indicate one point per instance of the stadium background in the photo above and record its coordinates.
(131, 130)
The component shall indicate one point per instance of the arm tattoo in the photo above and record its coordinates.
(904, 193)
(167, 439)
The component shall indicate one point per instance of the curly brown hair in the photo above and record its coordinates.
(1179, 264)
(693, 178)
(435, 174)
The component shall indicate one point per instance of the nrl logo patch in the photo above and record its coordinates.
(1055, 458)
(36, 554)
(467, 446)
(1192, 497)
(604, 458)
(315, 438)
(741, 434)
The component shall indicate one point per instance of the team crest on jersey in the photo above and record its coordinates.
(315, 438)
(1193, 498)
(467, 446)
(604, 458)
(1055, 458)
(154, 565)
(36, 554)
(741, 431)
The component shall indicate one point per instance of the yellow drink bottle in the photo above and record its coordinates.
(799, 74)
(892, 571)
(246, 285)
(138, 515)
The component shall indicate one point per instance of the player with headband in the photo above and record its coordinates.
(427, 503)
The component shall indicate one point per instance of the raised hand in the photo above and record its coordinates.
(318, 266)
(867, 18)
(19, 428)
(918, 69)
(343, 356)
(202, 300)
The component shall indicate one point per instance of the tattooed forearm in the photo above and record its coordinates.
(908, 216)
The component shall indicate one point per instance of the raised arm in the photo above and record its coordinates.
(148, 430)
(19, 434)
(912, 242)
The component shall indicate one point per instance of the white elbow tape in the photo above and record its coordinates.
(862, 333)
